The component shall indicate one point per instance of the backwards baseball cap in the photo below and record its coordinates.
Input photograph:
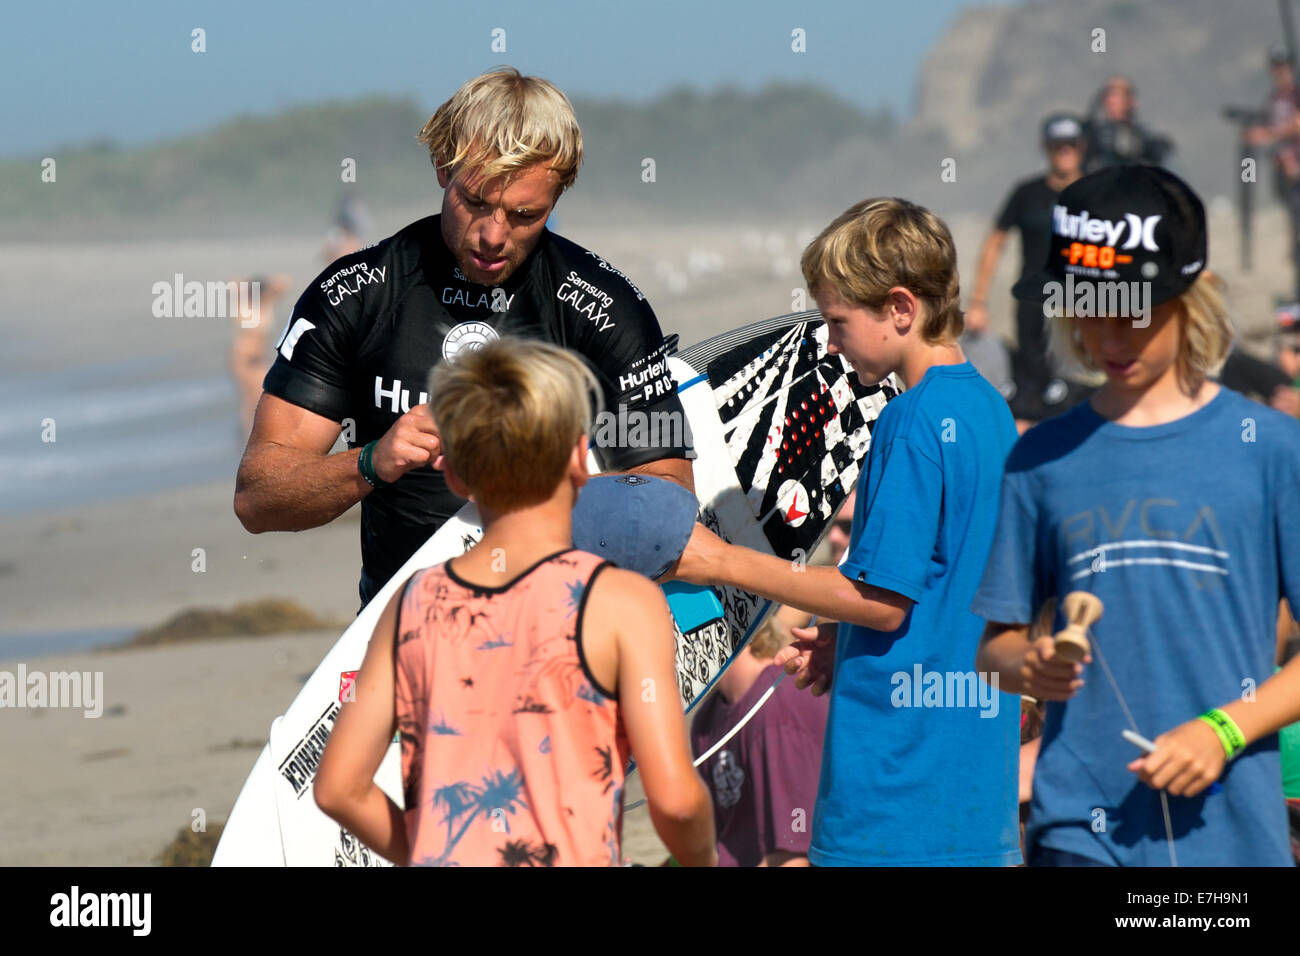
(1062, 128)
(1124, 224)
(638, 522)
(1278, 55)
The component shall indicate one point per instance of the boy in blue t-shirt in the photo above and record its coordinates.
(1174, 501)
(920, 758)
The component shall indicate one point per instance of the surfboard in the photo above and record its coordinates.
(780, 429)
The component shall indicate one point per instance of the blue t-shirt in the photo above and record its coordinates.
(1187, 532)
(920, 762)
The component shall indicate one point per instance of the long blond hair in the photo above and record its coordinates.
(1204, 335)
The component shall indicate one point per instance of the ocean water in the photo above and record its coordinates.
(17, 647)
(119, 428)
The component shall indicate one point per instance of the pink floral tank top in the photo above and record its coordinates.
(512, 754)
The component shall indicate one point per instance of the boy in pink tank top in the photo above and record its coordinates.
(522, 674)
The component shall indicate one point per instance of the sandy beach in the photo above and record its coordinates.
(181, 727)
(130, 563)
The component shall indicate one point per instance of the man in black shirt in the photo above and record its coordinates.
(1028, 209)
(359, 345)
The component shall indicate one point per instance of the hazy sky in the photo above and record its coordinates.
(81, 70)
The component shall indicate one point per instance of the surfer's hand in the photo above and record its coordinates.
(1186, 760)
(811, 658)
(411, 443)
(699, 558)
(1048, 677)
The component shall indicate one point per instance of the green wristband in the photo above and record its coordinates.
(365, 465)
(1226, 729)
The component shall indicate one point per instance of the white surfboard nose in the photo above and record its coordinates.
(252, 833)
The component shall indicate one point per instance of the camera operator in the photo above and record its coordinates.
(1282, 134)
(1113, 134)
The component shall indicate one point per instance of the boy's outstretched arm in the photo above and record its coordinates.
(822, 591)
(345, 786)
(633, 611)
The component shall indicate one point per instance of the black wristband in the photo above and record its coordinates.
(365, 465)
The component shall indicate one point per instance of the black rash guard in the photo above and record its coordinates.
(362, 339)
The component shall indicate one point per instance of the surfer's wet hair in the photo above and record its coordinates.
(503, 122)
(881, 243)
(509, 415)
(1204, 335)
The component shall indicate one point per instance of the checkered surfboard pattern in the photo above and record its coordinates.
(796, 419)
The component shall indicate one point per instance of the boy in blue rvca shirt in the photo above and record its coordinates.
(1177, 503)
(920, 759)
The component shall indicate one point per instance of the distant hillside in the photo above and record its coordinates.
(718, 151)
(998, 70)
(250, 171)
(714, 153)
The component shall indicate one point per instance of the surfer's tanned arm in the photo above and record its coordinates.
(287, 479)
